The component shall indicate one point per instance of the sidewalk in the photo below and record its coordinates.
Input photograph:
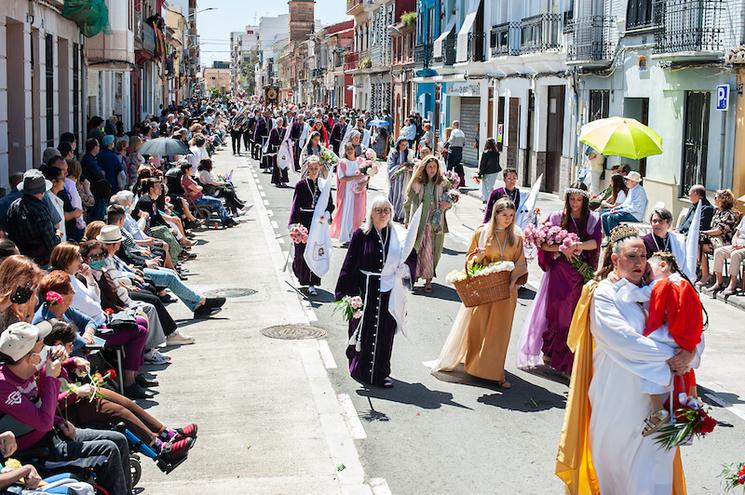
(269, 420)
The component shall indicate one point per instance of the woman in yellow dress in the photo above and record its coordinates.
(480, 335)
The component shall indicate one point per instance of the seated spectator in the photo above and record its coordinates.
(633, 207)
(695, 194)
(221, 188)
(194, 192)
(29, 402)
(19, 281)
(735, 252)
(29, 221)
(723, 226)
(202, 307)
(618, 193)
(147, 210)
(87, 406)
(13, 193)
(56, 293)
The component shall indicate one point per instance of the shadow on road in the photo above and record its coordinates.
(415, 394)
(439, 291)
(524, 397)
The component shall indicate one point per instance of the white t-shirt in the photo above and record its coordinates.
(740, 239)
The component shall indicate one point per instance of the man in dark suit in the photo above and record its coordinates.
(260, 132)
(338, 132)
(298, 124)
(697, 193)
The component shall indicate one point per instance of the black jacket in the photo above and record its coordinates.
(489, 163)
(707, 214)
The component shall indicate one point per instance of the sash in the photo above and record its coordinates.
(284, 155)
(317, 253)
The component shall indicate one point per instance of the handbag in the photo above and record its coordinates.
(123, 320)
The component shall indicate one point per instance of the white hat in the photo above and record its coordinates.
(110, 234)
(20, 338)
(634, 175)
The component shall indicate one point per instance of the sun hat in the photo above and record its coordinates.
(20, 338)
(34, 182)
(110, 234)
(634, 175)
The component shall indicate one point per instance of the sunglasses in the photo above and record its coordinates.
(98, 256)
(382, 211)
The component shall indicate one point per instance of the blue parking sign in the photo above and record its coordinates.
(723, 97)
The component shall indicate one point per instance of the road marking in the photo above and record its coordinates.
(261, 188)
(726, 405)
(349, 413)
(266, 203)
(263, 194)
(275, 225)
(379, 486)
(281, 240)
(269, 213)
(328, 358)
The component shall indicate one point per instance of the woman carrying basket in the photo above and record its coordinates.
(480, 334)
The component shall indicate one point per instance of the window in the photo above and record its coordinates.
(695, 140)
(639, 14)
(599, 103)
(49, 77)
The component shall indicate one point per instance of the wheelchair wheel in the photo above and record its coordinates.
(135, 469)
(202, 212)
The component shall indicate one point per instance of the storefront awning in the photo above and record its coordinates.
(461, 53)
(437, 49)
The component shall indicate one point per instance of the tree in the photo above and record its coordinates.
(247, 72)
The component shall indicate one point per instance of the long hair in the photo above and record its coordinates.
(420, 174)
(617, 185)
(309, 146)
(566, 215)
(15, 271)
(490, 145)
(378, 202)
(491, 228)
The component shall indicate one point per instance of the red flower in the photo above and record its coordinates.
(112, 374)
(707, 423)
(53, 297)
(109, 311)
(741, 476)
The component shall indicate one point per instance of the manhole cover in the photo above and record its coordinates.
(236, 292)
(293, 332)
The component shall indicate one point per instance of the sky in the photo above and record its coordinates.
(215, 26)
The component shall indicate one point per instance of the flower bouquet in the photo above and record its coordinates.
(554, 235)
(733, 476)
(329, 158)
(482, 284)
(350, 306)
(452, 178)
(366, 167)
(96, 382)
(690, 420)
(298, 234)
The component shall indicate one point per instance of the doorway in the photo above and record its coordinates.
(637, 108)
(529, 139)
(513, 135)
(554, 137)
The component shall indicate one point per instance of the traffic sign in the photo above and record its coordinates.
(290, 93)
(723, 97)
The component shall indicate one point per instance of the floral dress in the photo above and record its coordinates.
(726, 221)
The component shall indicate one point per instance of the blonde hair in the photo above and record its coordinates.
(491, 227)
(726, 199)
(420, 173)
(92, 230)
(379, 201)
(63, 256)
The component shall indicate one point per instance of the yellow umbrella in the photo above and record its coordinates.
(621, 136)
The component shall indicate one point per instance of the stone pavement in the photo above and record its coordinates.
(269, 420)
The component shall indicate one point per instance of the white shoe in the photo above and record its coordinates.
(312, 291)
(153, 356)
(177, 338)
(246, 207)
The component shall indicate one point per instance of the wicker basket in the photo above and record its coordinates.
(474, 291)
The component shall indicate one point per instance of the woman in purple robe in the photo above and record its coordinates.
(544, 336)
(276, 136)
(371, 336)
(304, 199)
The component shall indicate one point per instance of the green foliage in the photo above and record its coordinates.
(365, 63)
(408, 18)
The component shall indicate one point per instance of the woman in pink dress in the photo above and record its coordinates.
(351, 196)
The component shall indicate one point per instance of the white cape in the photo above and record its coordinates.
(318, 248)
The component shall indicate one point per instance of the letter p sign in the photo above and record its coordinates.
(722, 97)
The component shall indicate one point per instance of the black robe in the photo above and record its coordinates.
(304, 200)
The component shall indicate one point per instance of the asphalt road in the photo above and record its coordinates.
(454, 434)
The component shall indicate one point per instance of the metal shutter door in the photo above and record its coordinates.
(469, 120)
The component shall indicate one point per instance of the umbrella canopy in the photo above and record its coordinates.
(620, 136)
(378, 123)
(164, 147)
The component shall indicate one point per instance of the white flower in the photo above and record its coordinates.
(357, 314)
(356, 302)
(370, 154)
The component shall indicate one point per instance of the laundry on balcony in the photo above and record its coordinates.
(439, 44)
(91, 16)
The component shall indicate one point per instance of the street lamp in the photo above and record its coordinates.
(200, 11)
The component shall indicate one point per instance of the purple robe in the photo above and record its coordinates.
(547, 327)
(495, 196)
(279, 176)
(304, 200)
(372, 364)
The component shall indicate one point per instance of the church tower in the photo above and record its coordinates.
(302, 19)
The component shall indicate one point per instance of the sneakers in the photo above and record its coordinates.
(175, 451)
(188, 431)
(177, 338)
(153, 356)
(312, 291)
(135, 391)
(246, 207)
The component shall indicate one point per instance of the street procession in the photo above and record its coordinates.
(372, 247)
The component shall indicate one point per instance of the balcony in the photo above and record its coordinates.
(591, 41)
(355, 7)
(504, 39)
(448, 51)
(689, 30)
(540, 33)
(423, 55)
(148, 38)
(476, 47)
(351, 61)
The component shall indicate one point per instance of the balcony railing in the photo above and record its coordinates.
(504, 39)
(351, 61)
(448, 51)
(592, 40)
(423, 55)
(540, 33)
(353, 6)
(689, 26)
(476, 47)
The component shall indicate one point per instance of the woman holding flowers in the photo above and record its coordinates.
(315, 148)
(400, 170)
(430, 189)
(545, 331)
(304, 199)
(480, 334)
(351, 195)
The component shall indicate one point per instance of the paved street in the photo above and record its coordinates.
(275, 424)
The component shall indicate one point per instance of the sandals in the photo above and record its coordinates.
(428, 289)
(505, 385)
(656, 421)
(729, 291)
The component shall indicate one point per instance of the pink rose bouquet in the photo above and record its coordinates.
(298, 234)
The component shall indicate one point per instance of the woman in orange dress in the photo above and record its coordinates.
(480, 335)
